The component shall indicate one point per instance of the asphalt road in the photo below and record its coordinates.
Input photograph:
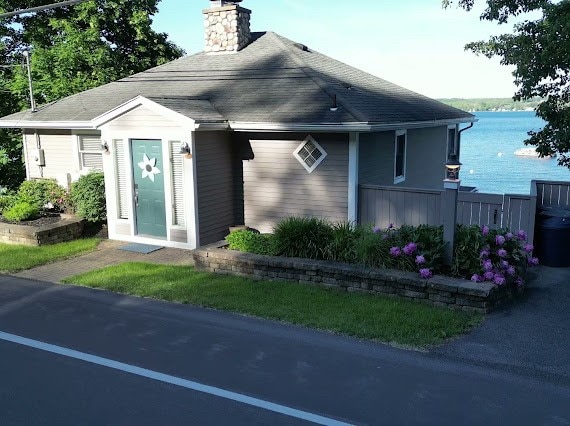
(336, 378)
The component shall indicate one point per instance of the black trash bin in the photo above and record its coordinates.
(552, 237)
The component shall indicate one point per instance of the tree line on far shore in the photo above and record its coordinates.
(492, 104)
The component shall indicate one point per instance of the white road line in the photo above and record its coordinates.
(166, 378)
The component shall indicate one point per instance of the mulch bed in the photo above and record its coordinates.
(44, 219)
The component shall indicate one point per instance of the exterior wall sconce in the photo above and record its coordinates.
(452, 167)
(105, 147)
(186, 150)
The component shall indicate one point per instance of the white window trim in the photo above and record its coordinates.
(80, 152)
(301, 160)
(402, 178)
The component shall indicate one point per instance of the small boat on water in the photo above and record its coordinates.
(530, 152)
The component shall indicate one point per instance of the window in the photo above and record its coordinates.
(452, 142)
(310, 154)
(177, 166)
(90, 155)
(121, 173)
(400, 157)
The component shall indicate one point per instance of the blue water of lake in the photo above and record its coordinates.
(487, 154)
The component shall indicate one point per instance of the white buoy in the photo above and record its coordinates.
(471, 171)
(500, 154)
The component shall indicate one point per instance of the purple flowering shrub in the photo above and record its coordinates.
(496, 256)
(417, 249)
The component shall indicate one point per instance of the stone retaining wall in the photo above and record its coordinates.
(67, 229)
(439, 290)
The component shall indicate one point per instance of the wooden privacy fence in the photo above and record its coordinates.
(551, 193)
(385, 205)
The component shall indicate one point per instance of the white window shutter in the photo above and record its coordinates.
(177, 161)
(121, 173)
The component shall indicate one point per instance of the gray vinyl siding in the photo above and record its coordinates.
(58, 152)
(376, 158)
(214, 175)
(277, 186)
(425, 158)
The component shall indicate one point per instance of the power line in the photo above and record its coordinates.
(40, 8)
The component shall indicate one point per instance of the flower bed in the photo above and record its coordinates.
(438, 290)
(67, 228)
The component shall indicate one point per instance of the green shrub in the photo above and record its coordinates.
(342, 244)
(43, 192)
(7, 201)
(88, 197)
(20, 211)
(373, 249)
(303, 237)
(251, 242)
(468, 245)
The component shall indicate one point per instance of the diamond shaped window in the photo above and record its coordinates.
(310, 154)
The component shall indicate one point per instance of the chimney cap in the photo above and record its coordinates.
(221, 3)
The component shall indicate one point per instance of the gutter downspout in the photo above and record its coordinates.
(459, 136)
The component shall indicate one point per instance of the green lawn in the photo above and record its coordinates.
(371, 317)
(15, 258)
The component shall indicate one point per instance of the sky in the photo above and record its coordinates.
(414, 43)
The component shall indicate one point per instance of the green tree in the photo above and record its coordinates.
(83, 46)
(540, 51)
(73, 49)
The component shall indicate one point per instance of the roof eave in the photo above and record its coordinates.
(242, 126)
(21, 124)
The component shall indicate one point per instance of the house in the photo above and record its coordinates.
(253, 129)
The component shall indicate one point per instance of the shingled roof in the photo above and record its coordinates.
(272, 80)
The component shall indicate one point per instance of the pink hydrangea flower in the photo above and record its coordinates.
(487, 265)
(511, 270)
(485, 253)
(533, 261)
(425, 273)
(395, 251)
(499, 240)
(509, 236)
(485, 230)
(420, 260)
(476, 278)
(502, 253)
(521, 235)
(489, 276)
(376, 230)
(504, 264)
(528, 248)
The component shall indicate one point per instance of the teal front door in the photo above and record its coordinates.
(148, 178)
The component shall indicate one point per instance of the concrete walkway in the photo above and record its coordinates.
(106, 254)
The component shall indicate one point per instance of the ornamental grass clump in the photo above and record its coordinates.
(495, 256)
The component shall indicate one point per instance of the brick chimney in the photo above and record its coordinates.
(226, 26)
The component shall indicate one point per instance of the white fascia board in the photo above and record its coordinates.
(74, 125)
(212, 126)
(142, 101)
(240, 126)
(290, 127)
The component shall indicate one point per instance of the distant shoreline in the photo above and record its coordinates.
(492, 104)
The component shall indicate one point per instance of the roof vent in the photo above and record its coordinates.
(301, 47)
(348, 86)
(334, 106)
